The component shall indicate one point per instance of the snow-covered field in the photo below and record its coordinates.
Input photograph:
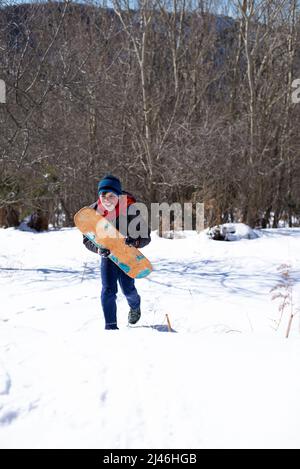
(227, 378)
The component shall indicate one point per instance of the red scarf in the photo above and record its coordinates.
(121, 208)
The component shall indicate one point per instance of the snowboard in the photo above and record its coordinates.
(104, 235)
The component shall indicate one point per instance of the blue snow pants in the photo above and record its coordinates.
(111, 274)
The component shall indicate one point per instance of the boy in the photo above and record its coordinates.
(113, 204)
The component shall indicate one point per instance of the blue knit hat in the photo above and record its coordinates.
(110, 184)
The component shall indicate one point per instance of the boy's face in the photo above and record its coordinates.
(109, 200)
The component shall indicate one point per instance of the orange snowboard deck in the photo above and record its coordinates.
(103, 234)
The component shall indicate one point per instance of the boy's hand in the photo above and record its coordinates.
(104, 252)
(132, 242)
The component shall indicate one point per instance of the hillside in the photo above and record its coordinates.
(224, 378)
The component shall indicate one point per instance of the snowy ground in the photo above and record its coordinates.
(227, 378)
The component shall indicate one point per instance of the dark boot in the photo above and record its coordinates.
(134, 315)
(111, 327)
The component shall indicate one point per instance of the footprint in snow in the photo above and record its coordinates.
(8, 417)
(5, 383)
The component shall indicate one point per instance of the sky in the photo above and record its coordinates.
(220, 5)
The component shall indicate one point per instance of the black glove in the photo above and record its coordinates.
(132, 242)
(104, 252)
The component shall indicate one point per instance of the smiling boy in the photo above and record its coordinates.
(113, 204)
